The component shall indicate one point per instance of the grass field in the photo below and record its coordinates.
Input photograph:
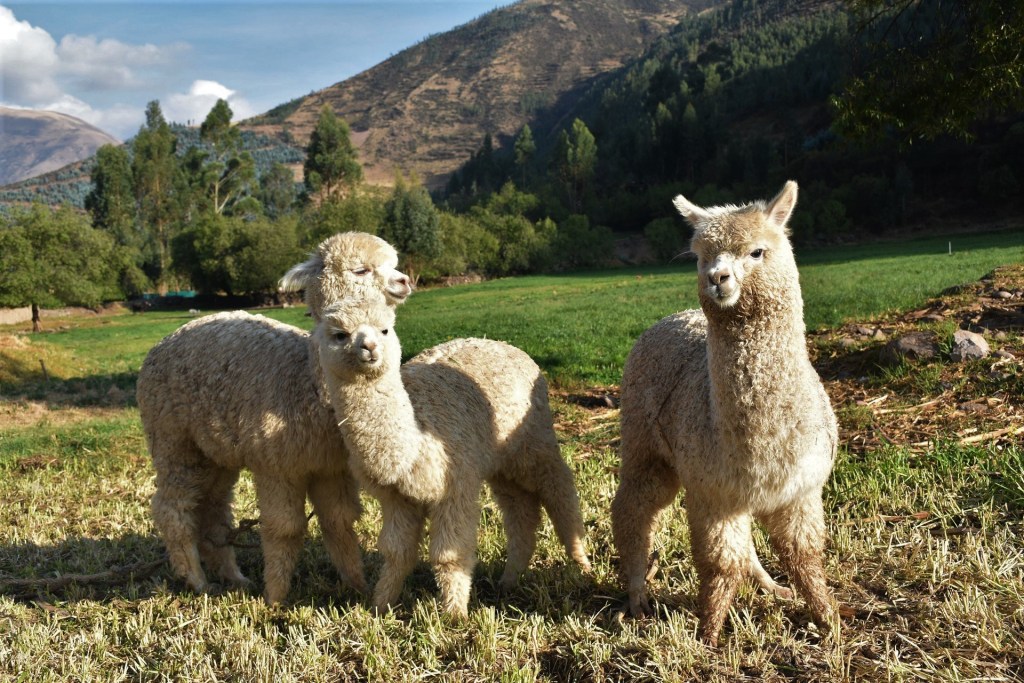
(926, 551)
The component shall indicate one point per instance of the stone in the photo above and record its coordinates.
(968, 345)
(914, 345)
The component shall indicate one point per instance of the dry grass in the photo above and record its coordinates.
(926, 556)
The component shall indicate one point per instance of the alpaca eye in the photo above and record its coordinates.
(361, 270)
(757, 253)
(384, 332)
(340, 336)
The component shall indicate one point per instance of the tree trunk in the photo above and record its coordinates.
(36, 326)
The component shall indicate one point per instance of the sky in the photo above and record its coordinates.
(103, 61)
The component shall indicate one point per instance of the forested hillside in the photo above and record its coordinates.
(733, 102)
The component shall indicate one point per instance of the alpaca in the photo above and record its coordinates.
(234, 390)
(423, 438)
(725, 403)
(344, 265)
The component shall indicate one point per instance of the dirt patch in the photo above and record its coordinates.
(21, 414)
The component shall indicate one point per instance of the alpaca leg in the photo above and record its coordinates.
(399, 544)
(647, 484)
(797, 533)
(453, 528)
(764, 579)
(216, 522)
(179, 477)
(721, 546)
(336, 503)
(282, 528)
(557, 492)
(520, 509)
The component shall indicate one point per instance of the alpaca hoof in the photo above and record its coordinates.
(640, 606)
(508, 582)
(783, 592)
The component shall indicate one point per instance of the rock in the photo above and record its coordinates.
(862, 331)
(1000, 335)
(1005, 355)
(878, 335)
(914, 345)
(968, 345)
(1003, 294)
(848, 342)
(933, 317)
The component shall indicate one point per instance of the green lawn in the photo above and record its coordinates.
(926, 551)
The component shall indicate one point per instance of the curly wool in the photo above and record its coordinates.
(425, 436)
(725, 403)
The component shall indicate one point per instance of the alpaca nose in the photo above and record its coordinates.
(719, 276)
(370, 345)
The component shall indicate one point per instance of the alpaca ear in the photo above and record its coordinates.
(781, 208)
(302, 275)
(690, 211)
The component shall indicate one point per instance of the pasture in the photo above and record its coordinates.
(925, 507)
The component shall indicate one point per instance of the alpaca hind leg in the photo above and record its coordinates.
(179, 476)
(721, 546)
(217, 522)
(797, 534)
(764, 579)
(520, 510)
(647, 485)
(557, 493)
(336, 503)
(399, 543)
(453, 529)
(282, 528)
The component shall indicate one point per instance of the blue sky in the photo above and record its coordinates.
(103, 61)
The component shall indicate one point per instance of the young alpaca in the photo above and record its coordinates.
(233, 390)
(423, 438)
(726, 404)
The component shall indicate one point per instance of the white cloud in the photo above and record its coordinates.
(37, 72)
(28, 60)
(194, 105)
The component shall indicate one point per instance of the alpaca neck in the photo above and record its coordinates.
(756, 357)
(377, 420)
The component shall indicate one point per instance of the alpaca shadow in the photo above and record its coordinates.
(115, 390)
(135, 567)
(132, 566)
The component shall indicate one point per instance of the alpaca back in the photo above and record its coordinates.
(243, 389)
(486, 387)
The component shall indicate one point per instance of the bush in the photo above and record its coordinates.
(577, 244)
(666, 237)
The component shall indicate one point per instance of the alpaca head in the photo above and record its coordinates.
(356, 338)
(345, 265)
(743, 252)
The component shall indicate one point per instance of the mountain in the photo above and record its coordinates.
(428, 108)
(36, 142)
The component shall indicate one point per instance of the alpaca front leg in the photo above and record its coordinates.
(721, 551)
(336, 503)
(797, 534)
(646, 486)
(558, 494)
(282, 528)
(453, 528)
(398, 543)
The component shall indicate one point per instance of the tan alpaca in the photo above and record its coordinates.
(425, 436)
(234, 390)
(725, 403)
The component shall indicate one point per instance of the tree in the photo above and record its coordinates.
(277, 190)
(54, 258)
(332, 167)
(524, 149)
(931, 67)
(227, 171)
(154, 167)
(412, 225)
(111, 203)
(576, 163)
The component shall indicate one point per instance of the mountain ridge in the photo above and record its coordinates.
(35, 142)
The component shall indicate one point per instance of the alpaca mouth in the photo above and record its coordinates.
(723, 296)
(398, 293)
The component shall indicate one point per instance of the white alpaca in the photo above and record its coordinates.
(424, 437)
(234, 390)
(725, 403)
